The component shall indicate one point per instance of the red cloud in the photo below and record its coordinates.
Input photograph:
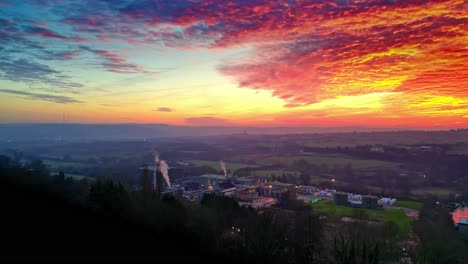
(307, 51)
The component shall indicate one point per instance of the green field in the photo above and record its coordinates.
(231, 167)
(462, 150)
(268, 173)
(439, 192)
(397, 216)
(63, 164)
(409, 204)
(278, 173)
(329, 161)
(79, 177)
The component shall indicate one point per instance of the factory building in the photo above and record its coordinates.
(174, 190)
(225, 188)
(387, 201)
(369, 201)
(340, 198)
(276, 189)
(247, 195)
(463, 226)
(191, 185)
(306, 190)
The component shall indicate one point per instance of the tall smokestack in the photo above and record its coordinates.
(146, 181)
(158, 183)
(223, 167)
(156, 167)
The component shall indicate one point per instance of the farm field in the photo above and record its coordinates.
(329, 161)
(462, 150)
(397, 216)
(63, 164)
(409, 204)
(269, 173)
(231, 167)
(78, 177)
(439, 192)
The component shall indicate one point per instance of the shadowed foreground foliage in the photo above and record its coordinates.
(57, 218)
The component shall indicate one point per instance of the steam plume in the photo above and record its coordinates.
(156, 157)
(163, 168)
(223, 167)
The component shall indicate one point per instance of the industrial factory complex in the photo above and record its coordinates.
(256, 191)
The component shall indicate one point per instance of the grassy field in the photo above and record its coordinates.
(397, 216)
(268, 173)
(63, 164)
(462, 150)
(439, 192)
(231, 167)
(410, 204)
(329, 161)
(79, 177)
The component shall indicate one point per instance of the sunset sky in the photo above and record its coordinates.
(237, 62)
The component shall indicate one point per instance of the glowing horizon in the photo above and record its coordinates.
(374, 63)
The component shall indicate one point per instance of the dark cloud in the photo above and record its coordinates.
(23, 70)
(26, 68)
(164, 109)
(113, 62)
(207, 121)
(45, 97)
(47, 33)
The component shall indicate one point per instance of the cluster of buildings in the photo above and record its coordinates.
(257, 191)
(361, 201)
(246, 190)
(252, 191)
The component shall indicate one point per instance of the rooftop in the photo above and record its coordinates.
(342, 193)
(281, 184)
(225, 185)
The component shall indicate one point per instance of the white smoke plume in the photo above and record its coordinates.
(156, 157)
(223, 167)
(163, 168)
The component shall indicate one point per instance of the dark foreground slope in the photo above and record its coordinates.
(38, 225)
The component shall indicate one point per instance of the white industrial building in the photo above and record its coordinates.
(387, 201)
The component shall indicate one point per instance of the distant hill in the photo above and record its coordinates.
(31, 131)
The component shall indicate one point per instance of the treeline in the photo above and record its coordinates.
(437, 240)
